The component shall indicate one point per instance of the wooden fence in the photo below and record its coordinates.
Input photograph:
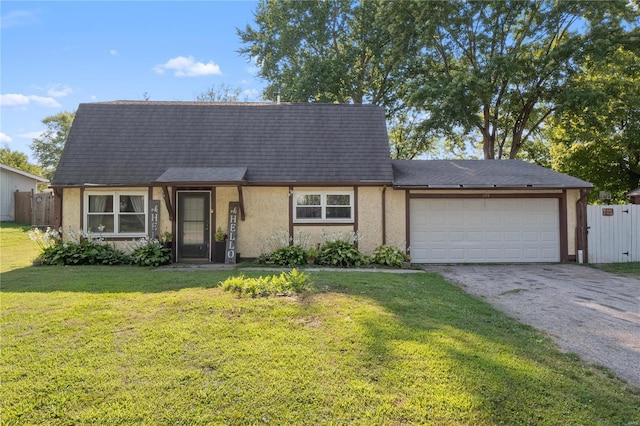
(613, 233)
(37, 209)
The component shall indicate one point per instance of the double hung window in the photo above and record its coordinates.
(116, 213)
(323, 206)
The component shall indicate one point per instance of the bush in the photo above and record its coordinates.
(288, 256)
(389, 256)
(284, 284)
(151, 254)
(339, 253)
(86, 252)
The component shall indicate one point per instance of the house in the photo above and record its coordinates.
(634, 196)
(132, 169)
(13, 180)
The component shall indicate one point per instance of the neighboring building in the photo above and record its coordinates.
(303, 168)
(15, 180)
(634, 196)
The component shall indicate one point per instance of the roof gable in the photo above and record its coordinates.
(133, 143)
(23, 173)
(479, 174)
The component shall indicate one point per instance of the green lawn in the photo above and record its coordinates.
(631, 268)
(129, 345)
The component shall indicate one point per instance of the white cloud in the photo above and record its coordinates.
(19, 100)
(5, 138)
(18, 18)
(188, 67)
(59, 90)
(113, 52)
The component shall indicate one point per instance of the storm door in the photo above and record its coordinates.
(193, 226)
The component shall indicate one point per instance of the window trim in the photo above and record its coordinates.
(323, 206)
(116, 213)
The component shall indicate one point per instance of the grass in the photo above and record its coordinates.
(630, 268)
(130, 345)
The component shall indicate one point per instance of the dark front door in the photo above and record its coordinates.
(193, 226)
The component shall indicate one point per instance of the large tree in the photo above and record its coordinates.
(343, 51)
(595, 134)
(48, 147)
(491, 71)
(456, 73)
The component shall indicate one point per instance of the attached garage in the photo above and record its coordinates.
(483, 230)
(486, 211)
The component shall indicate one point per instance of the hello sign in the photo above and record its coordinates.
(232, 233)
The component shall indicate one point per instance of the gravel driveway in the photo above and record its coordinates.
(589, 312)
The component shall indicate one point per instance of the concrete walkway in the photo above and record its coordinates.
(586, 311)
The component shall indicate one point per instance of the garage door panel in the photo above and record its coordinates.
(484, 230)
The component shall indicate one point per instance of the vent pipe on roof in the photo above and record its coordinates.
(278, 100)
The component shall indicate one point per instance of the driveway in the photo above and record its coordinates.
(589, 312)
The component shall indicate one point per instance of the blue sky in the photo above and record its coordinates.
(58, 54)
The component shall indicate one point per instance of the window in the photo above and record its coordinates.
(334, 206)
(116, 213)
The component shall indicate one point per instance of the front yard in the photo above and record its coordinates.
(130, 345)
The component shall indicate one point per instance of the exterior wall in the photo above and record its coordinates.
(267, 212)
(71, 211)
(370, 218)
(396, 223)
(11, 182)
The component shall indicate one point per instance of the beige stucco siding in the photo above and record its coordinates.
(71, 211)
(369, 218)
(396, 218)
(267, 213)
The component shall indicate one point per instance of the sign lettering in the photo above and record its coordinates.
(232, 232)
(154, 218)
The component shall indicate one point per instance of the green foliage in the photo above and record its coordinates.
(48, 147)
(18, 160)
(389, 256)
(288, 256)
(339, 254)
(284, 284)
(85, 252)
(448, 73)
(596, 133)
(151, 254)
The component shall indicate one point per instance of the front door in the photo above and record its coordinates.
(193, 226)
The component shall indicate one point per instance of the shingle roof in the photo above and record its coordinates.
(479, 174)
(136, 142)
(202, 174)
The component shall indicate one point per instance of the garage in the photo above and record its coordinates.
(484, 230)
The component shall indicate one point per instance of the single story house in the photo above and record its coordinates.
(133, 169)
(13, 180)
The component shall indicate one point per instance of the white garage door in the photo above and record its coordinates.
(484, 230)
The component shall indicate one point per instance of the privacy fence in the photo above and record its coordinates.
(613, 233)
(37, 209)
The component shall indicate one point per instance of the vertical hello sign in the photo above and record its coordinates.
(154, 218)
(232, 233)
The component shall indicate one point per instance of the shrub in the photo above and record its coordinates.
(151, 253)
(389, 256)
(339, 253)
(86, 252)
(288, 256)
(284, 284)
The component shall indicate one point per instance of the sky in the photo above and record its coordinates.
(55, 55)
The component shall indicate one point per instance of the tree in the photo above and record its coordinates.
(18, 160)
(343, 51)
(493, 70)
(221, 93)
(463, 72)
(595, 134)
(48, 147)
